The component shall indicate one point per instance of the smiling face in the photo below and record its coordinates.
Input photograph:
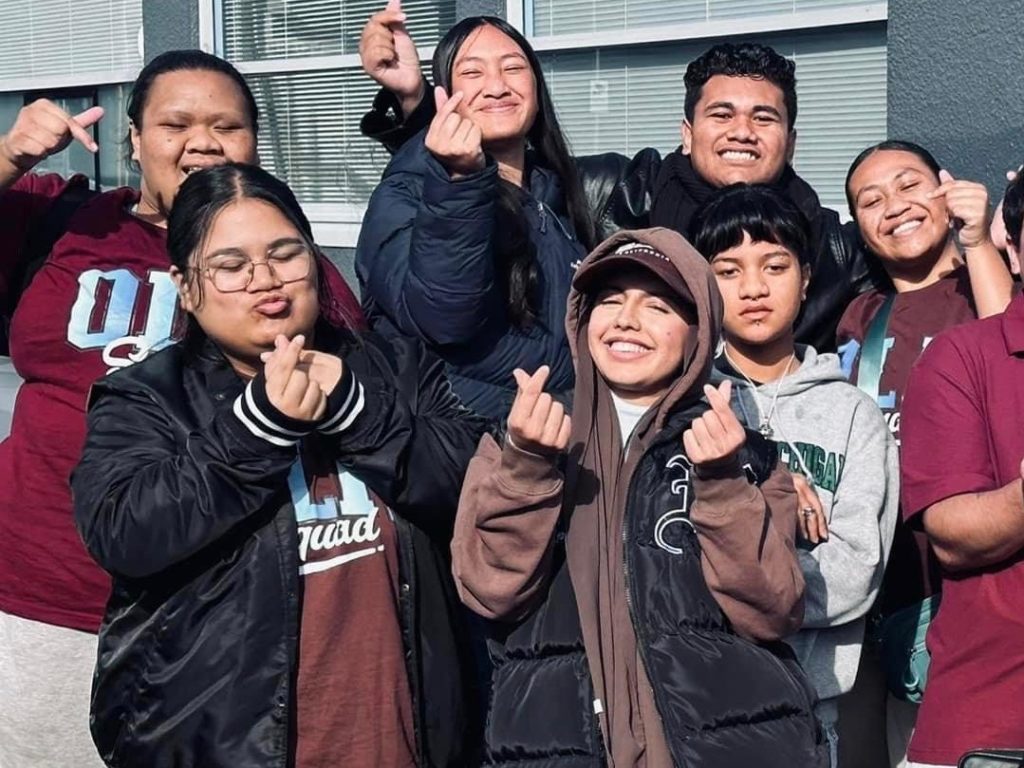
(192, 119)
(499, 87)
(763, 286)
(245, 322)
(637, 336)
(897, 220)
(740, 132)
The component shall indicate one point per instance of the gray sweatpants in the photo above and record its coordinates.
(45, 679)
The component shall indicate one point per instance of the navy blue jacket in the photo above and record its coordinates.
(427, 268)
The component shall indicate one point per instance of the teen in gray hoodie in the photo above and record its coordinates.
(831, 435)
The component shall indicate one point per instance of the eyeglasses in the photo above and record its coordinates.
(230, 274)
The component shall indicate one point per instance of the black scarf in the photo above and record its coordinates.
(679, 193)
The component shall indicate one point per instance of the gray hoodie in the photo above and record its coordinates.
(829, 430)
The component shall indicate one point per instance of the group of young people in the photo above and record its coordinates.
(632, 423)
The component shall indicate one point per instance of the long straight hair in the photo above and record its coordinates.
(517, 256)
(205, 194)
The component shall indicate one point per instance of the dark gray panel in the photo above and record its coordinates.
(955, 83)
(169, 25)
(344, 260)
(464, 8)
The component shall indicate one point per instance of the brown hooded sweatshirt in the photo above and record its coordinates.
(512, 500)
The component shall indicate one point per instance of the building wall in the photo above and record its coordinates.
(955, 83)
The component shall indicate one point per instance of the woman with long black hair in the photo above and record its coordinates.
(471, 239)
(274, 499)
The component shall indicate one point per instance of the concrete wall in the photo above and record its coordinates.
(167, 26)
(956, 73)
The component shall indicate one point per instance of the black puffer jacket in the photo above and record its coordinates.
(189, 510)
(724, 701)
(626, 193)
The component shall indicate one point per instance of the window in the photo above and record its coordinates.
(624, 99)
(64, 43)
(301, 59)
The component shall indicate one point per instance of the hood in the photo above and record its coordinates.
(699, 282)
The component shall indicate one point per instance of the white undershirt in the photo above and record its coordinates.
(629, 416)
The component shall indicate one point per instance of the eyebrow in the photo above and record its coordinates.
(481, 60)
(614, 288)
(757, 108)
(236, 251)
(779, 251)
(904, 172)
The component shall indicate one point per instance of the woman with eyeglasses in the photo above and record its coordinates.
(274, 498)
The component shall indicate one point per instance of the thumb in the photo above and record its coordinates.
(521, 377)
(440, 97)
(945, 176)
(725, 390)
(89, 117)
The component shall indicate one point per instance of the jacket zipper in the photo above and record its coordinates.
(543, 210)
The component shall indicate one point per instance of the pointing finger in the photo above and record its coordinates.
(945, 176)
(79, 123)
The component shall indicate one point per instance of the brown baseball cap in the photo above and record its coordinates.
(630, 256)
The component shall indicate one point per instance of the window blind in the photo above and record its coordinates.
(255, 30)
(625, 99)
(560, 17)
(309, 134)
(50, 38)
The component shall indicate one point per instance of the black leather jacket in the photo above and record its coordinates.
(621, 193)
(190, 512)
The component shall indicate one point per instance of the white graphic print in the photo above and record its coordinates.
(337, 520)
(680, 487)
(126, 317)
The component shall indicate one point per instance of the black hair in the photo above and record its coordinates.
(179, 61)
(889, 145)
(516, 253)
(1013, 210)
(753, 60)
(757, 210)
(202, 196)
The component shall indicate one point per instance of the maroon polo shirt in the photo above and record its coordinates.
(963, 432)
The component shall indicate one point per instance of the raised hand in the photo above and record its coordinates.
(811, 523)
(967, 204)
(537, 423)
(43, 129)
(454, 140)
(714, 438)
(290, 387)
(389, 56)
(323, 369)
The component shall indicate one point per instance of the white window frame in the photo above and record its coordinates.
(334, 224)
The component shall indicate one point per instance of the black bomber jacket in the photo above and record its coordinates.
(186, 505)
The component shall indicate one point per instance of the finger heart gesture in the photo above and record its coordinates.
(714, 438)
(453, 139)
(537, 423)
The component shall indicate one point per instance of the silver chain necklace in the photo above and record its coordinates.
(765, 424)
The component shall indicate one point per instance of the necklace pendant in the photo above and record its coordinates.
(765, 429)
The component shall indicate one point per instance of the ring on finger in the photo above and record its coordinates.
(807, 511)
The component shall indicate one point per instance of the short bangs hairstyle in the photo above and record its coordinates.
(757, 210)
(890, 145)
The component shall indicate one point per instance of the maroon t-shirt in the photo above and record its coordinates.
(916, 318)
(102, 300)
(103, 297)
(353, 701)
(963, 432)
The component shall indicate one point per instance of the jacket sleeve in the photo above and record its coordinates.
(425, 253)
(147, 497)
(386, 124)
(619, 189)
(747, 534)
(502, 548)
(409, 437)
(844, 573)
